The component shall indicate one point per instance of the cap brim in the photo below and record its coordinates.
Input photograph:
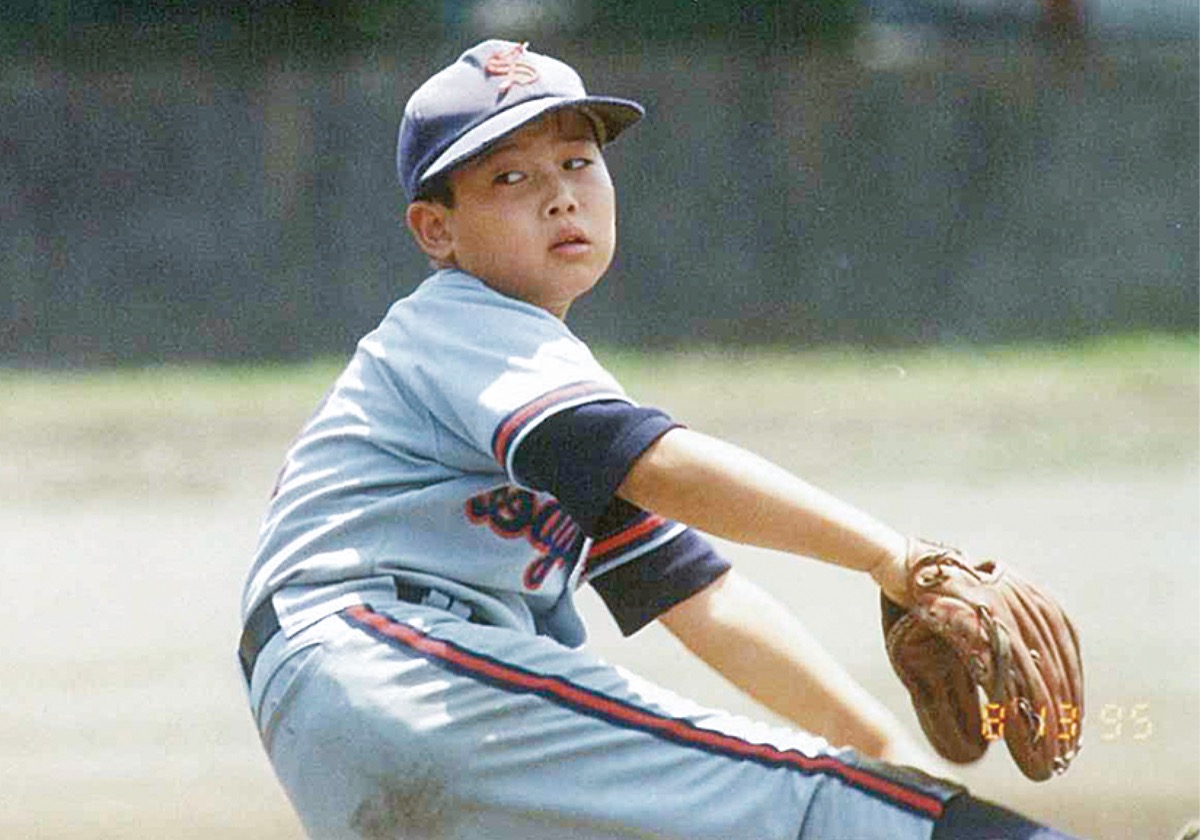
(616, 115)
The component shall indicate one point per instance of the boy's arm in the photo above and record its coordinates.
(743, 632)
(728, 492)
(731, 493)
(761, 647)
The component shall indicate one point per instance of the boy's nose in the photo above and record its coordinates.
(563, 200)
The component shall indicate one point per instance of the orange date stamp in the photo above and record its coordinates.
(1066, 716)
(1119, 722)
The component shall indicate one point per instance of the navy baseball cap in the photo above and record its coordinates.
(492, 90)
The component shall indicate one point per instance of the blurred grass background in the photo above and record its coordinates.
(927, 413)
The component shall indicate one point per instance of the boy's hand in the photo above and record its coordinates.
(891, 573)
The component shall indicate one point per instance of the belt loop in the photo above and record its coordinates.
(428, 597)
(442, 601)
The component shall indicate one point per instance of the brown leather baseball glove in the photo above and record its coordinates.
(977, 627)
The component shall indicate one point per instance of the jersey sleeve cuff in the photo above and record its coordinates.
(648, 584)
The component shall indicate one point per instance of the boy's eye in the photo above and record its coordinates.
(509, 178)
(576, 163)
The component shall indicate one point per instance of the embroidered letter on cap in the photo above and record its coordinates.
(508, 63)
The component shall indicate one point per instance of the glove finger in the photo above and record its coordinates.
(981, 649)
(1057, 644)
(970, 631)
(1041, 689)
(948, 709)
(1030, 733)
(942, 691)
(1055, 634)
(1023, 694)
(1067, 708)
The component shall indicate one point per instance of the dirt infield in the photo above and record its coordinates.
(131, 504)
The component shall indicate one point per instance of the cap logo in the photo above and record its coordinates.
(511, 65)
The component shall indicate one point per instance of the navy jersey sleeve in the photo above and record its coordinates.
(582, 454)
(640, 563)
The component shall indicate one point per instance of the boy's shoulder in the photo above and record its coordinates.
(459, 298)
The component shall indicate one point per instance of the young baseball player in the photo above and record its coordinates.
(414, 658)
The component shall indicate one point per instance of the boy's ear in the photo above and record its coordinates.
(427, 221)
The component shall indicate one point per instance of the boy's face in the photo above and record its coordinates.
(534, 217)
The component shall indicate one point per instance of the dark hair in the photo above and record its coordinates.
(438, 190)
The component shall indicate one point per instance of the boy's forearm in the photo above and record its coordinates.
(763, 649)
(732, 493)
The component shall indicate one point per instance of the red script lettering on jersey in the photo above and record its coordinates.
(513, 513)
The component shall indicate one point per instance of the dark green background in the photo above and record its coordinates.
(219, 184)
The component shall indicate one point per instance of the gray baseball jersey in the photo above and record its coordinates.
(472, 711)
(407, 467)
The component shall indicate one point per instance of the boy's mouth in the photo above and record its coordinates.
(570, 240)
